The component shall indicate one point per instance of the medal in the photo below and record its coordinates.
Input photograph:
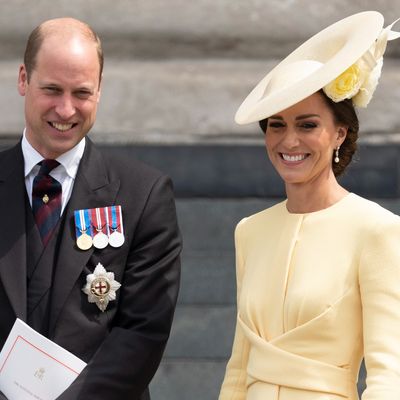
(101, 287)
(116, 236)
(100, 239)
(116, 239)
(84, 241)
(83, 230)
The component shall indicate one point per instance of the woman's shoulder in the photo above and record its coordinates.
(370, 213)
(369, 222)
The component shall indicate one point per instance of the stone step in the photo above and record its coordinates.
(241, 28)
(208, 276)
(188, 379)
(243, 171)
(208, 259)
(202, 332)
(190, 102)
(208, 224)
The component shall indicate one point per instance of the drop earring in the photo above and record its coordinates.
(337, 159)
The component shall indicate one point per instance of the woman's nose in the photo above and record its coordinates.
(291, 138)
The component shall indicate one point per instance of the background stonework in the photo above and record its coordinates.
(175, 73)
(177, 70)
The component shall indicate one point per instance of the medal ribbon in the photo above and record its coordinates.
(82, 223)
(78, 228)
(84, 218)
(114, 219)
(119, 219)
(107, 222)
(98, 215)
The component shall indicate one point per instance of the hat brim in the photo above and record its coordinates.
(337, 47)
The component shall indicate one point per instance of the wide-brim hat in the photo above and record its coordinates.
(313, 65)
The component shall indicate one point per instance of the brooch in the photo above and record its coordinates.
(101, 287)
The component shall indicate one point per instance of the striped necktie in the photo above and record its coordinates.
(46, 199)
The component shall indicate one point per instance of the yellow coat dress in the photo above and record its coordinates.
(316, 293)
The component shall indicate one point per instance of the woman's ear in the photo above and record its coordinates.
(342, 133)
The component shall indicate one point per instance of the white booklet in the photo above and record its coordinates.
(34, 367)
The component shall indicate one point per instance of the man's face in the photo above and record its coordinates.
(62, 94)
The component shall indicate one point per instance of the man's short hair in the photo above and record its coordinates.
(37, 37)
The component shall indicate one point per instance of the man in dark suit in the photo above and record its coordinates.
(42, 277)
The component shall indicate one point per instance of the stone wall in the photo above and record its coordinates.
(177, 70)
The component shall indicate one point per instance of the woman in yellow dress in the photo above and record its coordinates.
(318, 275)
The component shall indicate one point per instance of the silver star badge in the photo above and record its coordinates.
(101, 287)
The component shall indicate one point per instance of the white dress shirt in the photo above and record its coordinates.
(65, 173)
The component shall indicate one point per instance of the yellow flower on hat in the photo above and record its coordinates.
(347, 84)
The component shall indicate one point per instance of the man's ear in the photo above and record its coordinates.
(22, 80)
(99, 89)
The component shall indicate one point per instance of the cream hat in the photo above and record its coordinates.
(344, 59)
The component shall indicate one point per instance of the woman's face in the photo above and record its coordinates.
(301, 140)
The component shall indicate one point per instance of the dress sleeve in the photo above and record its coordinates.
(379, 278)
(234, 384)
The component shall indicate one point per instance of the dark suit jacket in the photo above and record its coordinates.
(122, 346)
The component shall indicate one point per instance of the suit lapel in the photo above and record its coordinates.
(13, 240)
(92, 188)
